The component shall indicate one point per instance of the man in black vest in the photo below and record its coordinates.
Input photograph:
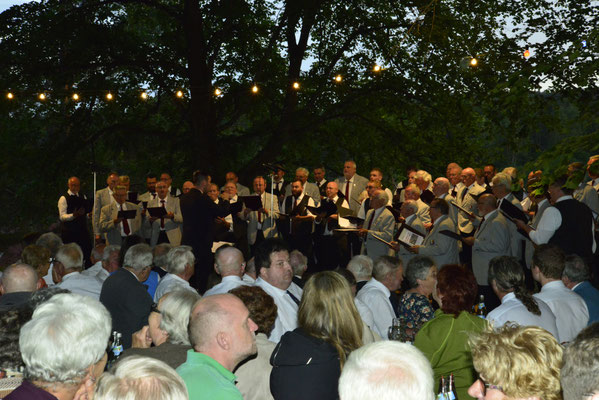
(72, 210)
(296, 228)
(330, 245)
(568, 224)
(321, 182)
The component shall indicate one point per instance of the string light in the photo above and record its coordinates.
(526, 53)
(217, 92)
(75, 96)
(255, 89)
(179, 94)
(338, 78)
(473, 62)
(296, 85)
(10, 96)
(143, 95)
(109, 96)
(377, 68)
(41, 96)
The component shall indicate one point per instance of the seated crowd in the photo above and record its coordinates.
(465, 285)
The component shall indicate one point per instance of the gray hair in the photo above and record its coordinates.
(382, 195)
(66, 335)
(70, 255)
(160, 252)
(98, 252)
(383, 266)
(178, 258)
(175, 310)
(361, 267)
(386, 370)
(418, 269)
(511, 171)
(414, 188)
(298, 262)
(503, 179)
(303, 170)
(576, 269)
(422, 174)
(19, 277)
(138, 377)
(51, 241)
(109, 250)
(138, 257)
(411, 205)
(580, 369)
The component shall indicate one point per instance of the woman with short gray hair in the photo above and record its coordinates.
(415, 307)
(166, 329)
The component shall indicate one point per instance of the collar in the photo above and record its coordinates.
(233, 199)
(578, 284)
(557, 284)
(489, 215)
(508, 297)
(439, 220)
(301, 196)
(377, 284)
(71, 193)
(71, 275)
(411, 218)
(196, 358)
(262, 282)
(563, 198)
(334, 200)
(136, 278)
(541, 203)
(232, 278)
(177, 278)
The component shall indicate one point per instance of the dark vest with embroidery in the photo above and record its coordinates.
(574, 235)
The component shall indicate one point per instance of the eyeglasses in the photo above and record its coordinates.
(155, 309)
(487, 386)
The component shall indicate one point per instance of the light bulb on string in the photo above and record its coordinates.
(338, 78)
(10, 96)
(473, 62)
(255, 89)
(75, 97)
(41, 96)
(296, 85)
(143, 95)
(109, 96)
(526, 53)
(218, 92)
(179, 94)
(377, 68)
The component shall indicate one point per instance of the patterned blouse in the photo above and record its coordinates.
(415, 310)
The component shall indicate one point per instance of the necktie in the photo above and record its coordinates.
(162, 218)
(125, 224)
(295, 299)
(454, 192)
(347, 183)
(481, 224)
(463, 194)
(153, 196)
(295, 204)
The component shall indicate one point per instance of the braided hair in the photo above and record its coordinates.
(509, 277)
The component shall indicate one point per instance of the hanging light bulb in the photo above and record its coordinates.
(75, 96)
(109, 96)
(41, 96)
(217, 92)
(338, 78)
(255, 89)
(526, 53)
(377, 68)
(10, 96)
(473, 62)
(143, 95)
(296, 85)
(179, 94)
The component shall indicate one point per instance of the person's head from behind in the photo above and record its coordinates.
(138, 260)
(228, 261)
(327, 311)
(298, 262)
(580, 366)
(548, 263)
(386, 370)
(137, 377)
(169, 319)
(262, 307)
(456, 289)
(349, 277)
(506, 276)
(19, 278)
(220, 327)
(516, 362)
(38, 257)
(51, 241)
(272, 263)
(180, 261)
(160, 253)
(64, 344)
(69, 259)
(361, 266)
(576, 270)
(388, 271)
(110, 258)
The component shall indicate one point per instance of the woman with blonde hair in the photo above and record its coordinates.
(516, 362)
(307, 362)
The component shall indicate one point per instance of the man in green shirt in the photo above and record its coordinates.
(222, 335)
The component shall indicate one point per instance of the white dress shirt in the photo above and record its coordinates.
(365, 313)
(81, 284)
(248, 279)
(170, 283)
(102, 275)
(570, 310)
(376, 296)
(286, 310)
(343, 222)
(93, 270)
(512, 310)
(227, 283)
(62, 207)
(550, 222)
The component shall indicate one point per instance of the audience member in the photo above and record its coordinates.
(299, 265)
(110, 262)
(166, 331)
(580, 366)
(229, 264)
(387, 275)
(17, 284)
(63, 348)
(415, 306)
(361, 266)
(368, 335)
(222, 335)
(11, 362)
(67, 272)
(139, 377)
(180, 266)
(253, 375)
(576, 277)
(275, 278)
(125, 296)
(307, 362)
(52, 242)
(95, 257)
(517, 305)
(39, 258)
(160, 251)
(570, 310)
(387, 371)
(516, 362)
(250, 274)
(443, 339)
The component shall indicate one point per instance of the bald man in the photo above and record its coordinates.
(72, 212)
(491, 239)
(230, 265)
(441, 190)
(18, 282)
(222, 335)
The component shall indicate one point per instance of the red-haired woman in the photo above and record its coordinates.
(444, 339)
